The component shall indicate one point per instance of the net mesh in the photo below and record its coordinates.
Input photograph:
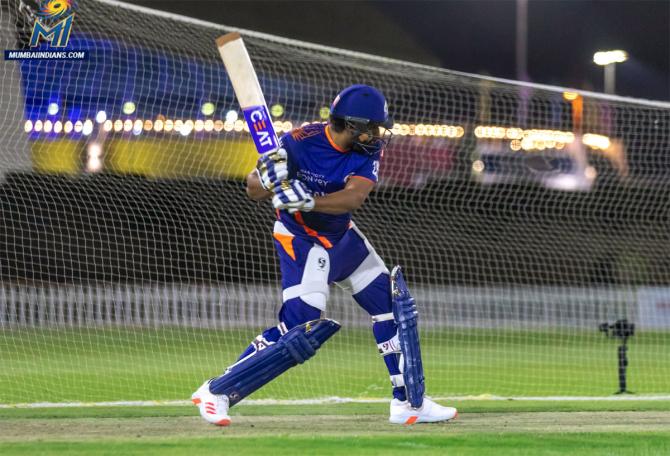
(132, 265)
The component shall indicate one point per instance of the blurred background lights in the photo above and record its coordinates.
(137, 127)
(94, 157)
(277, 110)
(58, 126)
(478, 166)
(78, 126)
(67, 128)
(38, 125)
(52, 109)
(231, 116)
(47, 126)
(186, 128)
(87, 129)
(28, 126)
(208, 108)
(101, 117)
(128, 107)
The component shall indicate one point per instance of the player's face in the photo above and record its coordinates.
(373, 134)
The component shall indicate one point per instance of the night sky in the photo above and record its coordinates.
(474, 36)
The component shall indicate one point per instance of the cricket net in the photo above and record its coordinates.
(132, 265)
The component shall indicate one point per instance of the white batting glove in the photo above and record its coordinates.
(272, 168)
(293, 196)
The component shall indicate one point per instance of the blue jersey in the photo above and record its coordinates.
(324, 168)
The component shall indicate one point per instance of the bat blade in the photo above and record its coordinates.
(248, 91)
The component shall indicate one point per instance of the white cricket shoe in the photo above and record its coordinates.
(213, 407)
(430, 412)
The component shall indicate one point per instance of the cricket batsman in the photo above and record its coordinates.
(318, 176)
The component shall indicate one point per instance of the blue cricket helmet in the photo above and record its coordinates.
(363, 110)
(362, 104)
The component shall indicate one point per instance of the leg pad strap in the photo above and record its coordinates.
(295, 347)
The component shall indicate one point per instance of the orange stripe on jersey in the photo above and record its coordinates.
(362, 177)
(332, 143)
(326, 243)
(286, 241)
(301, 133)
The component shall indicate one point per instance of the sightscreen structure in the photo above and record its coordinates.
(133, 266)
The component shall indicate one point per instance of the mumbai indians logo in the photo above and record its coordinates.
(54, 23)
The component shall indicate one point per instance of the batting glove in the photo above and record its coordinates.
(272, 168)
(293, 196)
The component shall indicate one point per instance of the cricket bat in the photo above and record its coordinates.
(248, 91)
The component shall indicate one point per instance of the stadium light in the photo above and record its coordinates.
(101, 117)
(231, 116)
(128, 107)
(609, 57)
(608, 60)
(277, 110)
(58, 126)
(28, 126)
(52, 109)
(207, 108)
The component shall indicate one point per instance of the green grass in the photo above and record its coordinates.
(595, 444)
(113, 364)
(484, 427)
(346, 409)
(108, 364)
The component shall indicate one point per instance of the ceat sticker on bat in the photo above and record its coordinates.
(261, 128)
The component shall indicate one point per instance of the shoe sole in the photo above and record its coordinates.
(414, 420)
(223, 422)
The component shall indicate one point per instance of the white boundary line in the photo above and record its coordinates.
(337, 400)
(320, 47)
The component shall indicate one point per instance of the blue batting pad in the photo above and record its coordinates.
(406, 316)
(295, 347)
